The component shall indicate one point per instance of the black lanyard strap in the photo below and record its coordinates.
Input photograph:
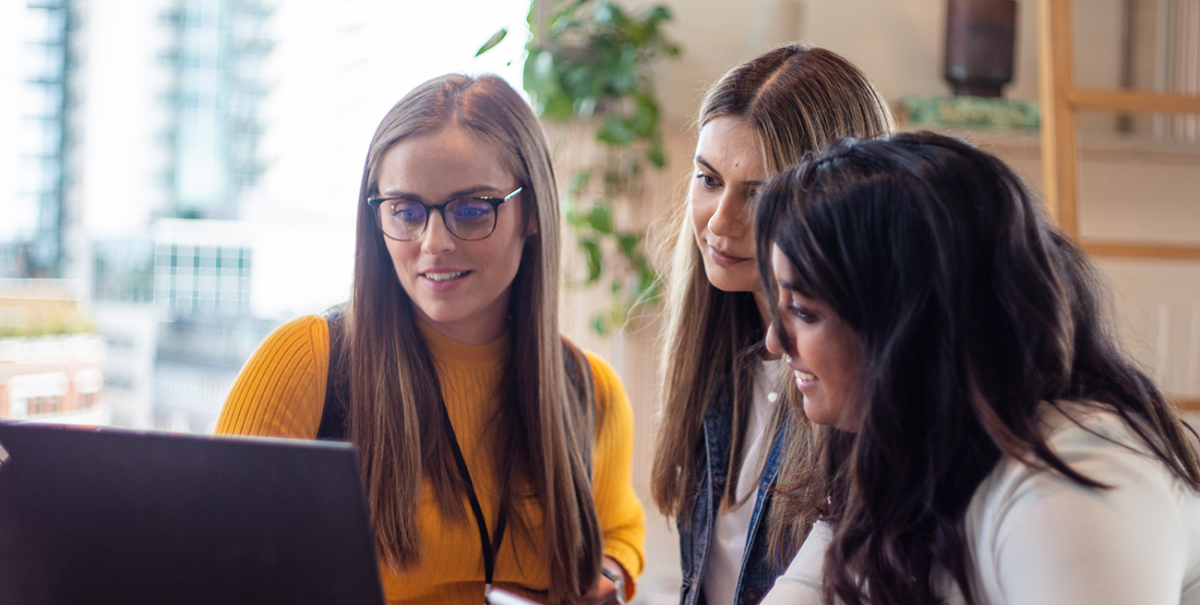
(489, 547)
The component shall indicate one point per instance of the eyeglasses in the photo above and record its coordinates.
(467, 218)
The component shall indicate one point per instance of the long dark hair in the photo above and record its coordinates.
(798, 98)
(972, 311)
(394, 417)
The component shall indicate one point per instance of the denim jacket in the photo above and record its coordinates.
(695, 539)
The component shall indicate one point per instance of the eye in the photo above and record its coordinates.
(408, 212)
(802, 313)
(470, 209)
(708, 181)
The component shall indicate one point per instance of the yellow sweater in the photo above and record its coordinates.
(281, 392)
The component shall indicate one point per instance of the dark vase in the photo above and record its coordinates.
(980, 37)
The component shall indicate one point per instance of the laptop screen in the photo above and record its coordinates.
(119, 516)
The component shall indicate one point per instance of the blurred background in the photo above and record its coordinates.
(178, 177)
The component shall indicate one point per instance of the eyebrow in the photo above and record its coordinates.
(460, 193)
(788, 286)
(699, 159)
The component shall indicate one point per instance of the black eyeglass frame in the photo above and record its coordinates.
(494, 202)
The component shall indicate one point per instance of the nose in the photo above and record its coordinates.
(773, 341)
(729, 220)
(437, 238)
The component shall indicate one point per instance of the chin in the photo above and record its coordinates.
(816, 415)
(727, 281)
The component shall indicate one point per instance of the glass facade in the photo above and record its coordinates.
(220, 47)
(35, 247)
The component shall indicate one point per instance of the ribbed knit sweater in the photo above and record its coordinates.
(281, 391)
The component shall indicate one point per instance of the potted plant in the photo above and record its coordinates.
(588, 62)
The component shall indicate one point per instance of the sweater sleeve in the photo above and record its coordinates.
(801, 583)
(622, 520)
(280, 392)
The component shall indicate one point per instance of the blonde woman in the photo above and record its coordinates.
(723, 426)
(493, 451)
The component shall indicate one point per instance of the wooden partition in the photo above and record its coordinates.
(1060, 102)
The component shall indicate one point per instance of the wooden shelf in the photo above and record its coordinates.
(1131, 100)
(1190, 405)
(1121, 249)
(1093, 145)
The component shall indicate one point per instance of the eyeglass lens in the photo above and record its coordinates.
(467, 218)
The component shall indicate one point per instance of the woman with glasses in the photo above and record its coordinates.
(494, 452)
(723, 424)
(983, 438)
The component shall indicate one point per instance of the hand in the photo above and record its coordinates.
(605, 592)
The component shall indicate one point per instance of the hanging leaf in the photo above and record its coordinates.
(600, 324)
(615, 132)
(592, 60)
(600, 219)
(492, 42)
(628, 243)
(578, 181)
(648, 290)
(595, 263)
(656, 155)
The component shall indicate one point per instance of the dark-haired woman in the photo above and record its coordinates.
(493, 451)
(723, 423)
(984, 440)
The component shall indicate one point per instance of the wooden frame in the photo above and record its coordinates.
(1060, 100)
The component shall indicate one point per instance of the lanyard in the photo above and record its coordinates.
(489, 547)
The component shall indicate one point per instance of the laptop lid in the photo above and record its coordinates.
(109, 515)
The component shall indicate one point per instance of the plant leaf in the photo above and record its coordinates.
(656, 155)
(493, 41)
(628, 243)
(600, 324)
(615, 132)
(591, 252)
(579, 180)
(600, 219)
(648, 287)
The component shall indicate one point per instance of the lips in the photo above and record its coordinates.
(443, 279)
(804, 379)
(721, 257)
(444, 276)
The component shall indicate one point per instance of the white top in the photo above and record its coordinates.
(728, 547)
(1040, 538)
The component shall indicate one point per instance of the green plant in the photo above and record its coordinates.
(43, 321)
(589, 61)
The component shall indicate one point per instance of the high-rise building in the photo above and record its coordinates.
(216, 61)
(32, 242)
(159, 292)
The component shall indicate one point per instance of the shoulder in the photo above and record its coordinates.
(1090, 438)
(1034, 528)
(307, 336)
(611, 399)
(281, 389)
(1098, 444)
(297, 352)
(606, 380)
(1095, 440)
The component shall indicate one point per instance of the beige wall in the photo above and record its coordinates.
(1130, 188)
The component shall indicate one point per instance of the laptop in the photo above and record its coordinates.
(117, 516)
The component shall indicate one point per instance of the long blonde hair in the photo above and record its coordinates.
(798, 98)
(394, 414)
